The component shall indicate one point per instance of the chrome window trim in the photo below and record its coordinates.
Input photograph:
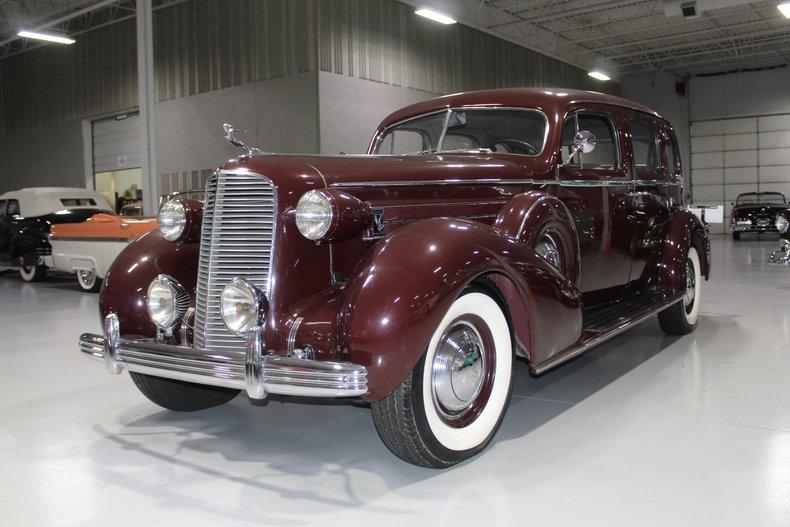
(377, 137)
(618, 151)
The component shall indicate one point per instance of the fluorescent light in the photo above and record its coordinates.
(436, 17)
(46, 36)
(599, 75)
(785, 9)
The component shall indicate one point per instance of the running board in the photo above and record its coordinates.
(598, 332)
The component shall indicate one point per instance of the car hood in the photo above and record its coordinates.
(288, 172)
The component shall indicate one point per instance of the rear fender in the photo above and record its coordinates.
(685, 230)
(404, 286)
(25, 244)
(531, 214)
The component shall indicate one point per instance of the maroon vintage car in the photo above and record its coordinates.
(480, 227)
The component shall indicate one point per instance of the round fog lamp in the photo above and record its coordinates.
(167, 301)
(314, 215)
(172, 220)
(781, 223)
(240, 304)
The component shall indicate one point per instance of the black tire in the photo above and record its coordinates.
(34, 273)
(681, 317)
(736, 236)
(402, 418)
(181, 396)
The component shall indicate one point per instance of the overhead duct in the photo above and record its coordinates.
(695, 8)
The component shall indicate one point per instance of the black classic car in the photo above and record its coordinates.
(26, 216)
(758, 212)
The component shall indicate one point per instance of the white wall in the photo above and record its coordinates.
(282, 112)
(50, 156)
(740, 94)
(352, 108)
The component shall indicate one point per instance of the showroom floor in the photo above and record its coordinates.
(647, 430)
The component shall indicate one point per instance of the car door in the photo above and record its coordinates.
(594, 187)
(649, 198)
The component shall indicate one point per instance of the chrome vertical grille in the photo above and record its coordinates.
(236, 241)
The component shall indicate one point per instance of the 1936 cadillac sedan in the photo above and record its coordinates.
(480, 227)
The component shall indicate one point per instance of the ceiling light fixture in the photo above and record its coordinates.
(595, 74)
(784, 7)
(436, 17)
(46, 36)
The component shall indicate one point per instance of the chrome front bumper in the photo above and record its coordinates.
(259, 375)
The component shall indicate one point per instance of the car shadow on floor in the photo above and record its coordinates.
(265, 445)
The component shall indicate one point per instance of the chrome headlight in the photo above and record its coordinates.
(172, 220)
(240, 306)
(167, 301)
(781, 223)
(314, 215)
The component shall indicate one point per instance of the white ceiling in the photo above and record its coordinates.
(632, 37)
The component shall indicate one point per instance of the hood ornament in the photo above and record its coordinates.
(230, 135)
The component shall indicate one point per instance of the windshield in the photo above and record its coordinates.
(513, 131)
(754, 198)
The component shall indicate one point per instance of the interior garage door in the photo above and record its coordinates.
(730, 156)
(116, 143)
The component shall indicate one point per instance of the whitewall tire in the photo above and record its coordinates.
(681, 318)
(88, 281)
(33, 273)
(452, 403)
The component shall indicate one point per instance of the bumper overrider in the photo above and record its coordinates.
(259, 375)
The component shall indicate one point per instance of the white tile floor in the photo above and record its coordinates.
(646, 430)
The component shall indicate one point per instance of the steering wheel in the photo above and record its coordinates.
(517, 146)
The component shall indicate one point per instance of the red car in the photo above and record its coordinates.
(480, 227)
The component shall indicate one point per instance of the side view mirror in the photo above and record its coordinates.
(583, 142)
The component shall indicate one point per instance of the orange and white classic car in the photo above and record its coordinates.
(88, 248)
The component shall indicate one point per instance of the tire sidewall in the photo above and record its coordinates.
(692, 317)
(456, 444)
(32, 275)
(92, 286)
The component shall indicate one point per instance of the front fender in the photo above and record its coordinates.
(126, 284)
(407, 282)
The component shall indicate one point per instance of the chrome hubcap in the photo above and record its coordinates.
(87, 277)
(691, 287)
(547, 248)
(458, 370)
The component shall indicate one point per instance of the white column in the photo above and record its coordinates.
(145, 88)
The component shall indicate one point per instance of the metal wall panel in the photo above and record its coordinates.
(383, 41)
(53, 84)
(206, 45)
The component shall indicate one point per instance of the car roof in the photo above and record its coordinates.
(37, 201)
(552, 101)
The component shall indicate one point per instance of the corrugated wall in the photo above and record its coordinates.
(383, 41)
(54, 84)
(205, 45)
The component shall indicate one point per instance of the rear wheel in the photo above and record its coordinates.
(681, 317)
(451, 404)
(33, 273)
(181, 396)
(88, 281)
(736, 236)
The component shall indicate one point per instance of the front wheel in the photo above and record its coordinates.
(452, 402)
(33, 273)
(681, 317)
(88, 281)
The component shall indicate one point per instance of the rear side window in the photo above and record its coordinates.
(605, 154)
(13, 208)
(78, 202)
(643, 142)
(2, 208)
(673, 153)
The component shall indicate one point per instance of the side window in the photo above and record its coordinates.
(2, 209)
(13, 208)
(673, 153)
(605, 155)
(401, 142)
(643, 142)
